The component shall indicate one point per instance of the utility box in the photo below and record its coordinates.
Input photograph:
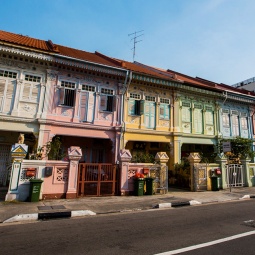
(48, 171)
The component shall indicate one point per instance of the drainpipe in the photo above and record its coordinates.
(127, 84)
(226, 96)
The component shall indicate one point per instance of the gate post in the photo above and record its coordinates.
(246, 171)
(194, 159)
(18, 153)
(222, 161)
(163, 159)
(124, 158)
(74, 155)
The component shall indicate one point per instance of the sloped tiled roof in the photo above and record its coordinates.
(25, 41)
(136, 68)
(99, 58)
(51, 48)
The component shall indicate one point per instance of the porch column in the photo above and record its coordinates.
(18, 153)
(74, 155)
(222, 160)
(162, 158)
(194, 159)
(246, 172)
(124, 158)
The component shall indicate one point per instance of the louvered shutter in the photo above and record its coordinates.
(82, 106)
(209, 118)
(26, 92)
(9, 96)
(152, 115)
(2, 88)
(186, 114)
(61, 92)
(103, 102)
(198, 121)
(35, 92)
(141, 110)
(90, 106)
(147, 114)
(113, 103)
(131, 107)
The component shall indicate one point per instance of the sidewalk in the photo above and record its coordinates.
(19, 211)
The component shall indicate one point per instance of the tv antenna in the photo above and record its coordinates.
(135, 36)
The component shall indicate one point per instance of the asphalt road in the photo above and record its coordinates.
(146, 232)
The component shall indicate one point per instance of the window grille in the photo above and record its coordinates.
(149, 98)
(164, 101)
(8, 74)
(32, 78)
(185, 104)
(88, 88)
(106, 91)
(67, 93)
(135, 96)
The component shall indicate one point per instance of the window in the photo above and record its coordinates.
(235, 125)
(135, 104)
(209, 117)
(107, 100)
(225, 118)
(7, 90)
(198, 120)
(186, 112)
(244, 121)
(88, 88)
(149, 98)
(8, 74)
(164, 109)
(32, 78)
(67, 93)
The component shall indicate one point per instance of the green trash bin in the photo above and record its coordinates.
(149, 185)
(35, 188)
(139, 186)
(214, 182)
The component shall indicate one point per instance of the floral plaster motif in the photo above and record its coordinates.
(28, 108)
(105, 116)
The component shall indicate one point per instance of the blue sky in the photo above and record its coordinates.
(212, 39)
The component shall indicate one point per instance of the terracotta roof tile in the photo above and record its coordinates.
(84, 55)
(24, 41)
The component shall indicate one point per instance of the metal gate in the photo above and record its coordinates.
(201, 177)
(97, 179)
(5, 164)
(235, 175)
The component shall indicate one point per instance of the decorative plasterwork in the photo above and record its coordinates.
(61, 60)
(78, 125)
(11, 118)
(124, 155)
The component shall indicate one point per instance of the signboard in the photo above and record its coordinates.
(226, 146)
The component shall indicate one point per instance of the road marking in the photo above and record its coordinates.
(198, 246)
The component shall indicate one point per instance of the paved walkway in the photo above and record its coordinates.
(18, 211)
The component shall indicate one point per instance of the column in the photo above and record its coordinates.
(194, 159)
(124, 158)
(18, 153)
(246, 172)
(74, 155)
(222, 160)
(41, 101)
(162, 158)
